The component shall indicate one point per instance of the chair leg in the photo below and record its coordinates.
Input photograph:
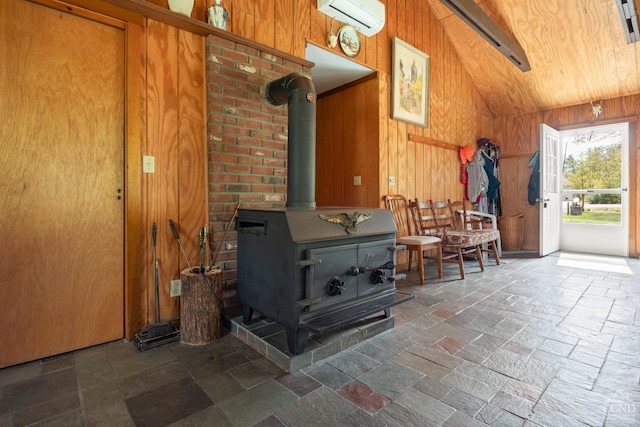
(461, 263)
(439, 256)
(495, 252)
(410, 260)
(479, 255)
(421, 267)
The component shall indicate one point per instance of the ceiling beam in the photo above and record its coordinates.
(487, 28)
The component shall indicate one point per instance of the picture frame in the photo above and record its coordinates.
(410, 84)
(349, 41)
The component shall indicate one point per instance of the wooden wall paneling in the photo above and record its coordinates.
(440, 170)
(410, 164)
(162, 133)
(200, 7)
(384, 169)
(419, 170)
(285, 26)
(136, 271)
(337, 149)
(401, 160)
(323, 128)
(192, 148)
(264, 22)
(302, 26)
(372, 144)
(319, 28)
(401, 21)
(349, 116)
(243, 18)
(393, 157)
(360, 147)
(370, 56)
(383, 50)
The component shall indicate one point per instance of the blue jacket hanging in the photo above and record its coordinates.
(534, 179)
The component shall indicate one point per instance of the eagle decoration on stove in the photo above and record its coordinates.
(348, 222)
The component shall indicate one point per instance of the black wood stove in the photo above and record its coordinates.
(313, 269)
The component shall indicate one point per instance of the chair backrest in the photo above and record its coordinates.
(424, 217)
(472, 219)
(458, 213)
(442, 216)
(401, 213)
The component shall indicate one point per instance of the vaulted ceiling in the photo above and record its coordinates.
(576, 48)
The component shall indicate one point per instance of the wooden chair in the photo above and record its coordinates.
(409, 234)
(457, 242)
(427, 226)
(475, 220)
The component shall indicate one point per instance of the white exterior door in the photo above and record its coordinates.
(595, 205)
(550, 191)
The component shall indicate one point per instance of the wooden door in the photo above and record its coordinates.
(61, 182)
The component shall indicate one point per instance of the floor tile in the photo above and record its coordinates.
(391, 379)
(298, 382)
(464, 402)
(168, 403)
(322, 407)
(254, 405)
(22, 394)
(431, 409)
(364, 397)
(396, 415)
(583, 405)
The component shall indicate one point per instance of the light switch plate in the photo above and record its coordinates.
(148, 164)
(392, 180)
(357, 180)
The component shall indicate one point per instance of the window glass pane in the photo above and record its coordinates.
(591, 208)
(592, 161)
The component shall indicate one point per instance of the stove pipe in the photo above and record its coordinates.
(300, 94)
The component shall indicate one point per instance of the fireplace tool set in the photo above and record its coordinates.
(159, 333)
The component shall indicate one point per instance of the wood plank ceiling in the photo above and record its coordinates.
(577, 50)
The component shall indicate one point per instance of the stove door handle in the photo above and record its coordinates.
(308, 262)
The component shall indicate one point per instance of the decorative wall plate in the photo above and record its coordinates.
(349, 41)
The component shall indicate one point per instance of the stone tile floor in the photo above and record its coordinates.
(553, 341)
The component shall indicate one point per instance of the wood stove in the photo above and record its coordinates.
(313, 269)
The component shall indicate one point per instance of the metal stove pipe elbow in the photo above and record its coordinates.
(299, 92)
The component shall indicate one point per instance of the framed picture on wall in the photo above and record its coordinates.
(410, 84)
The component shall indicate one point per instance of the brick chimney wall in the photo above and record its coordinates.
(246, 142)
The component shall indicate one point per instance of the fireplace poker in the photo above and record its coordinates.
(235, 212)
(175, 233)
(203, 234)
(154, 232)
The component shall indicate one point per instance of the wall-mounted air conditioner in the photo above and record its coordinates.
(366, 16)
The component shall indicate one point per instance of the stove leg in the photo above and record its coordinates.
(387, 313)
(297, 339)
(247, 312)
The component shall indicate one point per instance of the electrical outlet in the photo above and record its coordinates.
(176, 288)
(357, 180)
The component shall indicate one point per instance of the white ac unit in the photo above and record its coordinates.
(366, 16)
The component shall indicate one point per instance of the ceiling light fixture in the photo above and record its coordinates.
(629, 20)
(486, 27)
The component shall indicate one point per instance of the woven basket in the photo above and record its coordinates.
(511, 232)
